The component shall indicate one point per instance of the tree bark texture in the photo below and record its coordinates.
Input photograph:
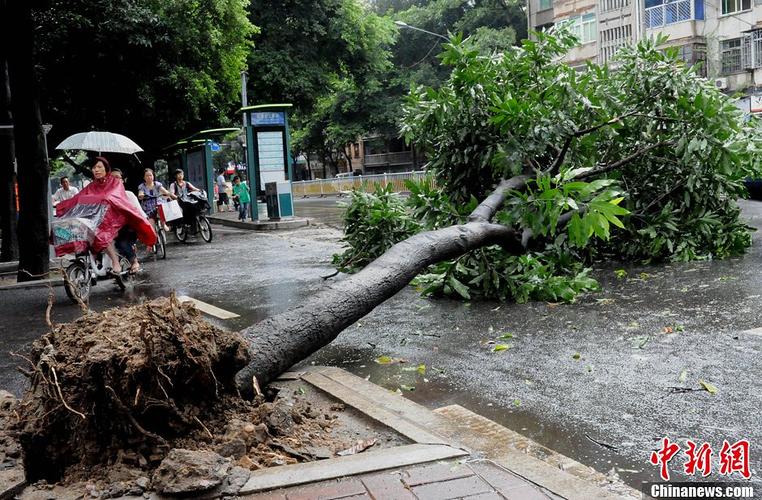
(279, 342)
(9, 249)
(33, 169)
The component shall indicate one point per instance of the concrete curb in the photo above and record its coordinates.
(261, 225)
(448, 432)
(26, 285)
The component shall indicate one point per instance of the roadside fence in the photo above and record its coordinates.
(366, 183)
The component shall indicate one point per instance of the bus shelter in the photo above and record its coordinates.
(193, 155)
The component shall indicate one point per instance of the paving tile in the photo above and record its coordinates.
(526, 493)
(386, 486)
(501, 479)
(432, 473)
(327, 490)
(266, 495)
(486, 496)
(455, 488)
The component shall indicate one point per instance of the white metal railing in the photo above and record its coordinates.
(367, 183)
(669, 13)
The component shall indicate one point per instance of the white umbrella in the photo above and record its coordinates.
(102, 142)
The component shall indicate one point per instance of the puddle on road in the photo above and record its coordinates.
(439, 391)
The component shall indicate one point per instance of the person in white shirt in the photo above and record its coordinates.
(65, 192)
(222, 193)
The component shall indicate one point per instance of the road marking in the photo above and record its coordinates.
(208, 308)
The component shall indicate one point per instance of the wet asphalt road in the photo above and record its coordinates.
(599, 370)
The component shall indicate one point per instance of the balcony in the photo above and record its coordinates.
(389, 159)
(673, 12)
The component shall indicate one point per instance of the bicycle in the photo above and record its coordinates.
(199, 222)
(82, 274)
(160, 248)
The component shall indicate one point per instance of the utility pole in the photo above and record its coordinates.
(244, 103)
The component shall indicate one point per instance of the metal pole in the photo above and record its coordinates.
(244, 98)
(45, 129)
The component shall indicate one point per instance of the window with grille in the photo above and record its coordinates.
(730, 6)
(584, 27)
(611, 40)
(608, 5)
(546, 4)
(694, 54)
(731, 55)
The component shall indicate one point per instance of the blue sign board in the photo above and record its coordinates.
(214, 146)
(264, 118)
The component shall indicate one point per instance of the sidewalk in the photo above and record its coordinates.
(230, 219)
(455, 454)
(8, 277)
(477, 480)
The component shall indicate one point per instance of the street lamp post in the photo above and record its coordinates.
(405, 25)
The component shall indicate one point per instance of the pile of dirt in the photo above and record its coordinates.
(132, 399)
(128, 380)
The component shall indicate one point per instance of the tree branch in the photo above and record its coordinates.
(487, 208)
(579, 133)
(624, 161)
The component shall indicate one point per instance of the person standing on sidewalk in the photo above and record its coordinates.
(65, 192)
(222, 193)
(242, 194)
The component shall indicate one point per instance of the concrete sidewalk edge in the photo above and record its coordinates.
(261, 225)
(454, 427)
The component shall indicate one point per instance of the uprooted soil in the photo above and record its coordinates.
(112, 393)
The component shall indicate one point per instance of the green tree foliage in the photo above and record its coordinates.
(330, 58)
(152, 69)
(492, 24)
(644, 162)
(373, 222)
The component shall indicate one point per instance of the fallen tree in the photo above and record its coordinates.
(653, 149)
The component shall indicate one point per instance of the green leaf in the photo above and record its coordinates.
(500, 347)
(384, 360)
(459, 287)
(708, 387)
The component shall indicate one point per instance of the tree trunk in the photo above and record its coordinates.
(33, 168)
(279, 342)
(9, 249)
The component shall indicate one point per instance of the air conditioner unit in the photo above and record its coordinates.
(721, 83)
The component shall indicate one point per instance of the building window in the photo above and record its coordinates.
(584, 27)
(608, 5)
(357, 150)
(731, 6)
(694, 54)
(611, 40)
(663, 12)
(731, 56)
(546, 4)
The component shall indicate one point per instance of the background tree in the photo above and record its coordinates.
(152, 70)
(9, 250)
(29, 140)
(331, 59)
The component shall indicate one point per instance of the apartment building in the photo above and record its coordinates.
(724, 36)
